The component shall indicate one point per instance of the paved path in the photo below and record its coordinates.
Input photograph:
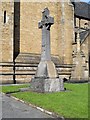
(15, 109)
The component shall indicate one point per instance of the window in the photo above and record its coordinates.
(4, 16)
(75, 37)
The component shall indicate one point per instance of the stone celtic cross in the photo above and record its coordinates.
(46, 78)
(45, 25)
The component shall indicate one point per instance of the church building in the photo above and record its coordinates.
(21, 40)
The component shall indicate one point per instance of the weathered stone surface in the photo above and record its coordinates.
(46, 78)
(6, 41)
(53, 85)
(46, 67)
(80, 69)
(47, 85)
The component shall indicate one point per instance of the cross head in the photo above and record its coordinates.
(47, 20)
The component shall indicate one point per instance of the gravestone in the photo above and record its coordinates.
(46, 78)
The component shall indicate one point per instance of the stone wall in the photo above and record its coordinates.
(7, 32)
(66, 37)
(30, 35)
(6, 42)
(82, 23)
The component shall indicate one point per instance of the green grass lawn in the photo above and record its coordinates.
(71, 104)
(13, 88)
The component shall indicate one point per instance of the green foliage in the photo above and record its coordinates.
(73, 103)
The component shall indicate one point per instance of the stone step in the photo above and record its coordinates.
(34, 67)
(25, 67)
(25, 73)
(34, 58)
(32, 72)
(64, 73)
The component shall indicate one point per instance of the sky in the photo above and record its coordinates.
(85, 0)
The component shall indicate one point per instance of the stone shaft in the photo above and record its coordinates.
(45, 55)
(45, 25)
(78, 42)
(46, 67)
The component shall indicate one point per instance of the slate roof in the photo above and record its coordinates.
(82, 10)
(83, 35)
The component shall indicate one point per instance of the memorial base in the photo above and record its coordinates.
(47, 85)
